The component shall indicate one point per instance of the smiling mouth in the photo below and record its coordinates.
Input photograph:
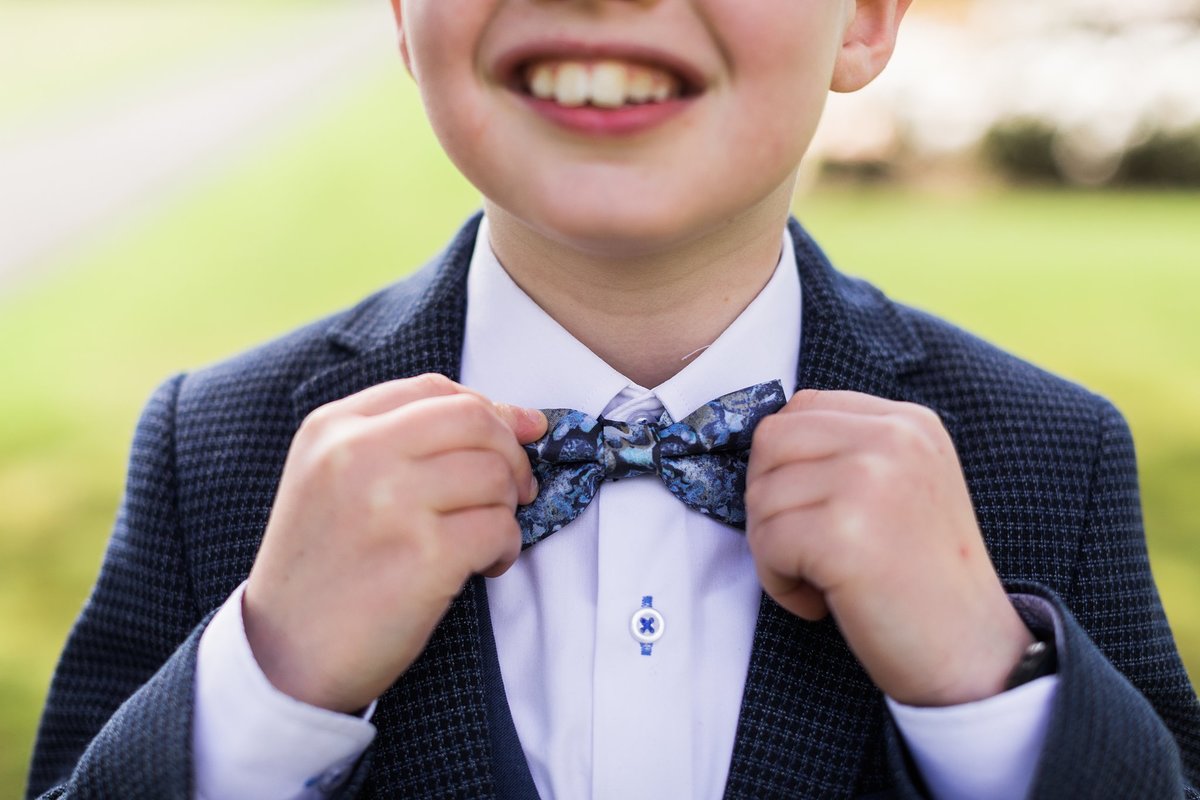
(600, 83)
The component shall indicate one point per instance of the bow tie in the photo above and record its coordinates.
(702, 459)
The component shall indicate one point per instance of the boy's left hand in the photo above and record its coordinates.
(857, 506)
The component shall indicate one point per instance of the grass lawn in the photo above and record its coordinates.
(67, 52)
(1098, 287)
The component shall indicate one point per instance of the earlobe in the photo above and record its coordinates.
(867, 46)
(401, 38)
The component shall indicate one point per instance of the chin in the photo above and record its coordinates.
(626, 223)
(621, 233)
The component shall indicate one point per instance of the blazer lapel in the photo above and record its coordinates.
(413, 327)
(811, 719)
(433, 736)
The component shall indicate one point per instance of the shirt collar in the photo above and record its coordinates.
(515, 352)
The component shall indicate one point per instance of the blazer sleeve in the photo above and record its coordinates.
(1125, 722)
(117, 720)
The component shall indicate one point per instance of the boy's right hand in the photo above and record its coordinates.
(390, 500)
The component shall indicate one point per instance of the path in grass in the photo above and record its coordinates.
(74, 172)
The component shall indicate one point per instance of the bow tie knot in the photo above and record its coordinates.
(619, 449)
(702, 459)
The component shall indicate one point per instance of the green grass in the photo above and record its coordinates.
(65, 53)
(1098, 287)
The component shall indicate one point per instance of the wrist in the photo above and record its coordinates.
(984, 667)
(286, 666)
(1039, 660)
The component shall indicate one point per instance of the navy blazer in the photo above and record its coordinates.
(1050, 468)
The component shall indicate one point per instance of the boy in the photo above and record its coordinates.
(637, 159)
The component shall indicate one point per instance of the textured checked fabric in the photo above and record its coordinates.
(701, 459)
(1050, 468)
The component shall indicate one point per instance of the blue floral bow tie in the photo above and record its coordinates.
(702, 460)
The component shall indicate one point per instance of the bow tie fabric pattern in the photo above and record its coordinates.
(702, 459)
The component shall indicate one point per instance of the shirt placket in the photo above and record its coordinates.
(641, 694)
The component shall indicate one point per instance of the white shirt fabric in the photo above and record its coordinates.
(585, 702)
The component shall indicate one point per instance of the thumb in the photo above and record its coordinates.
(528, 424)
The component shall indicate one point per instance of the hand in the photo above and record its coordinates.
(857, 506)
(390, 499)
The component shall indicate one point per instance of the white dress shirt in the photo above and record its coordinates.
(597, 718)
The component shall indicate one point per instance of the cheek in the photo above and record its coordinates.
(784, 50)
(443, 49)
(782, 55)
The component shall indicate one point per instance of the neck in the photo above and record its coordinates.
(647, 312)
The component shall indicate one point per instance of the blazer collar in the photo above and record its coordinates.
(853, 338)
(803, 730)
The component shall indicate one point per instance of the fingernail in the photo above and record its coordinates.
(533, 488)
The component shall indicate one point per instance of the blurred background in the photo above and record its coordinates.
(179, 181)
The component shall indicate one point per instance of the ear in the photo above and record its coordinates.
(403, 41)
(868, 42)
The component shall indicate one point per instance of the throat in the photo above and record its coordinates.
(648, 334)
(649, 315)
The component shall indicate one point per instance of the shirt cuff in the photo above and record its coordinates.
(251, 740)
(987, 750)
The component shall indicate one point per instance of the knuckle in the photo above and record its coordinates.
(925, 423)
(772, 544)
(318, 420)
(767, 430)
(475, 415)
(805, 398)
(382, 496)
(425, 547)
(506, 532)
(869, 470)
(433, 383)
(924, 416)
(758, 494)
(493, 476)
(901, 434)
(760, 533)
(765, 441)
(853, 522)
(330, 451)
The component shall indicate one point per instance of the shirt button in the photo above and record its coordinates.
(647, 626)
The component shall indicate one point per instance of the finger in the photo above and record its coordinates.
(459, 422)
(793, 486)
(528, 424)
(488, 538)
(388, 396)
(793, 544)
(464, 479)
(830, 400)
(445, 425)
(812, 436)
(797, 596)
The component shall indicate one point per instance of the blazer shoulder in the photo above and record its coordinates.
(973, 378)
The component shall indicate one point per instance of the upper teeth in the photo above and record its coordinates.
(606, 84)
